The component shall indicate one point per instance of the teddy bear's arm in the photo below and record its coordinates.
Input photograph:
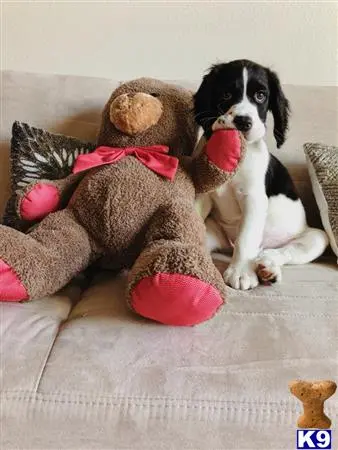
(219, 160)
(42, 197)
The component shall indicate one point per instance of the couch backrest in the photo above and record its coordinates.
(72, 105)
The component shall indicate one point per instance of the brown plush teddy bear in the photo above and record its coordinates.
(132, 199)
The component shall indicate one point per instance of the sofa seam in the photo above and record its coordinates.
(62, 322)
(272, 296)
(130, 400)
(38, 382)
(34, 396)
(280, 314)
(31, 394)
(250, 409)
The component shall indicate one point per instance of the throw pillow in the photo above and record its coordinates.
(37, 154)
(322, 161)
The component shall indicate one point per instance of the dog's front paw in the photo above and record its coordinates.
(268, 271)
(241, 276)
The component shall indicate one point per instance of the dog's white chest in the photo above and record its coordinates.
(248, 181)
(252, 170)
(249, 177)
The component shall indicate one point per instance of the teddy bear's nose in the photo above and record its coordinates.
(134, 114)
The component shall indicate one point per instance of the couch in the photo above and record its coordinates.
(80, 371)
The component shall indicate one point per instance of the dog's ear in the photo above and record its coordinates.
(279, 107)
(203, 109)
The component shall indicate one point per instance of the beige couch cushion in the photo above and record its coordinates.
(98, 377)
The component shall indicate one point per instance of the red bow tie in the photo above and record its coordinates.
(154, 157)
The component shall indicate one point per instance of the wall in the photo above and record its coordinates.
(172, 40)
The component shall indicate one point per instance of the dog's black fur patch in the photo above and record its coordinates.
(278, 180)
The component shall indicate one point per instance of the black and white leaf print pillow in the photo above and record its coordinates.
(37, 154)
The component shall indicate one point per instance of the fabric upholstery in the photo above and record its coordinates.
(323, 168)
(79, 371)
(94, 375)
(37, 155)
(72, 106)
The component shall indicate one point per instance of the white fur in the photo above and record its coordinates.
(265, 232)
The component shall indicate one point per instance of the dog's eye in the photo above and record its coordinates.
(227, 96)
(260, 96)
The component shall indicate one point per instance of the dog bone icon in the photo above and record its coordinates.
(313, 395)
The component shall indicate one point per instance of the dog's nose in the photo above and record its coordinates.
(243, 123)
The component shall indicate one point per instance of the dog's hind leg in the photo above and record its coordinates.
(301, 250)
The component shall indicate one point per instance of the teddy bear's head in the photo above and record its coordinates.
(146, 112)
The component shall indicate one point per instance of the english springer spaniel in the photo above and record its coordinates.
(259, 213)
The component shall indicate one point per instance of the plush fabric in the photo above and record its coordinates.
(323, 169)
(183, 292)
(37, 154)
(42, 197)
(72, 105)
(154, 157)
(11, 286)
(215, 155)
(132, 213)
(38, 264)
(131, 123)
(49, 200)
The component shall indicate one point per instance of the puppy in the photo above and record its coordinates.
(258, 214)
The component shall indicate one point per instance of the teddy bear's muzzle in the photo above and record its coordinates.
(135, 113)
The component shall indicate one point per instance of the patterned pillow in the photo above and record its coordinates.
(37, 154)
(322, 163)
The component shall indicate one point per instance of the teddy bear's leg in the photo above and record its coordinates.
(174, 280)
(43, 261)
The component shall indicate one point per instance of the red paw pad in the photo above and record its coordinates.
(11, 288)
(40, 201)
(224, 149)
(175, 299)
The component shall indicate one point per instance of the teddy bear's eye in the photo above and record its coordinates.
(153, 94)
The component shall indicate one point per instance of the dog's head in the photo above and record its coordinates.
(239, 95)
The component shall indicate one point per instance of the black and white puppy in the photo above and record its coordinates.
(258, 213)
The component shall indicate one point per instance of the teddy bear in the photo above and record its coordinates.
(131, 199)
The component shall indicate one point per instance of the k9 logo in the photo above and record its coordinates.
(315, 439)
